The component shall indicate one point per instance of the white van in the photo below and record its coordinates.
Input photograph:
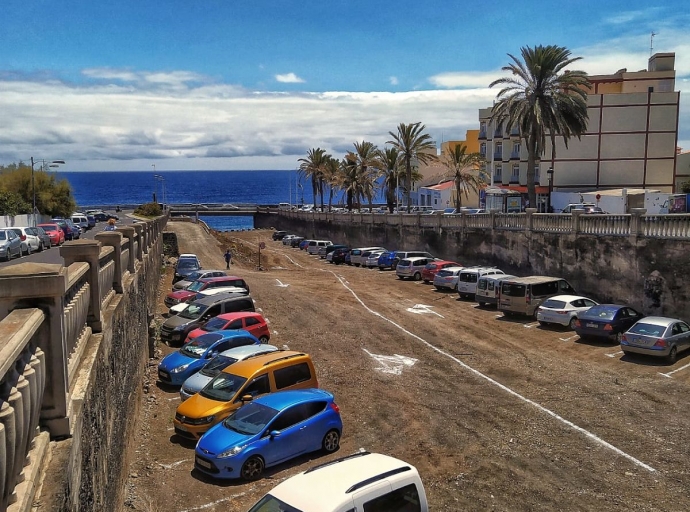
(489, 288)
(80, 220)
(356, 254)
(314, 245)
(467, 281)
(363, 482)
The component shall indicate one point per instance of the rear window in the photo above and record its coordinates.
(444, 273)
(3, 235)
(469, 277)
(404, 263)
(602, 312)
(554, 304)
(647, 329)
(481, 285)
(513, 290)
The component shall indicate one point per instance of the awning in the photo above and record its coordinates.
(523, 190)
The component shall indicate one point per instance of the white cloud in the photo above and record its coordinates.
(393, 80)
(289, 78)
(465, 79)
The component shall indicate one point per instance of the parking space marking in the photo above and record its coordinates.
(568, 338)
(170, 466)
(174, 398)
(503, 387)
(214, 503)
(391, 364)
(615, 353)
(668, 374)
(421, 309)
(281, 285)
(530, 325)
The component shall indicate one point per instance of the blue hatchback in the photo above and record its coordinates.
(177, 367)
(270, 430)
(386, 260)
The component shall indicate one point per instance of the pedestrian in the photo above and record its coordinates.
(228, 258)
(111, 225)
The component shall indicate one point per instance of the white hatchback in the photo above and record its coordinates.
(563, 309)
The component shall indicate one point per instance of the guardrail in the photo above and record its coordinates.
(635, 224)
(48, 313)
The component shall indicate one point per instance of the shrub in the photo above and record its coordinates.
(149, 210)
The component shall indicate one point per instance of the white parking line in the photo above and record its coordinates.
(505, 388)
(615, 354)
(569, 338)
(174, 398)
(170, 466)
(214, 503)
(530, 325)
(668, 374)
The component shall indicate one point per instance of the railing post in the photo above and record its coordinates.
(128, 232)
(576, 220)
(87, 251)
(492, 218)
(140, 235)
(43, 286)
(636, 223)
(114, 239)
(530, 219)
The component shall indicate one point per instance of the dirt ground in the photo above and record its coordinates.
(496, 414)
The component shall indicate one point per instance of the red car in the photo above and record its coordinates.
(251, 322)
(429, 271)
(199, 285)
(56, 234)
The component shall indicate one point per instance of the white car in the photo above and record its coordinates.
(30, 240)
(563, 309)
(447, 278)
(373, 259)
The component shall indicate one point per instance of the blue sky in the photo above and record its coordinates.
(253, 85)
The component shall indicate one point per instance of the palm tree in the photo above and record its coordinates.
(542, 101)
(390, 163)
(464, 169)
(365, 161)
(312, 167)
(412, 142)
(331, 177)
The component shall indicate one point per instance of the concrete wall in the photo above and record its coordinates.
(649, 274)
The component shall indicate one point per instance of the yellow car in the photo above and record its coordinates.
(239, 383)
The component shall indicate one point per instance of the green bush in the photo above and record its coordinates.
(149, 210)
(53, 196)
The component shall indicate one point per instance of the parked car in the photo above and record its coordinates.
(178, 366)
(340, 256)
(278, 235)
(314, 245)
(325, 251)
(29, 239)
(489, 289)
(372, 260)
(186, 264)
(606, 321)
(68, 229)
(400, 255)
(523, 295)
(102, 216)
(203, 284)
(563, 310)
(10, 244)
(92, 220)
(587, 207)
(411, 268)
(287, 238)
(230, 389)
(447, 278)
(182, 284)
(44, 237)
(80, 220)
(76, 230)
(55, 232)
(270, 430)
(212, 368)
(303, 244)
(250, 321)
(362, 481)
(331, 250)
(657, 336)
(294, 241)
(467, 281)
(176, 309)
(429, 271)
(386, 260)
(359, 253)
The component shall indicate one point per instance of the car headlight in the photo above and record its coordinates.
(180, 368)
(231, 452)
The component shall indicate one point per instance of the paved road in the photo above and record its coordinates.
(52, 255)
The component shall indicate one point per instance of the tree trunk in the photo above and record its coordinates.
(408, 182)
(531, 162)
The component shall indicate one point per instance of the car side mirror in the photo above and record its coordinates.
(274, 433)
(246, 398)
(211, 354)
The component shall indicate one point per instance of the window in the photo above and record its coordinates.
(516, 150)
(498, 151)
(544, 289)
(239, 342)
(515, 175)
(482, 149)
(537, 174)
(212, 311)
(291, 375)
(405, 499)
(235, 324)
(259, 386)
(251, 321)
(498, 173)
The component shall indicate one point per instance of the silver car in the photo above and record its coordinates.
(411, 268)
(10, 244)
(657, 336)
(182, 284)
(447, 278)
(196, 382)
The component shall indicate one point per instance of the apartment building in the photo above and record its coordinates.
(630, 140)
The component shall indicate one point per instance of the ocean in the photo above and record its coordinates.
(111, 189)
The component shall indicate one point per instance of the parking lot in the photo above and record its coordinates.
(495, 413)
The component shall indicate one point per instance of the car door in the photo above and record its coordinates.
(290, 434)
(684, 336)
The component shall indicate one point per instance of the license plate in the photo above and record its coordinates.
(592, 326)
(202, 462)
(182, 428)
(163, 374)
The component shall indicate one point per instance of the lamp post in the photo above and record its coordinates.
(54, 163)
(162, 179)
(549, 173)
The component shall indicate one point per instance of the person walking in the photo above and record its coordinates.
(228, 258)
(111, 225)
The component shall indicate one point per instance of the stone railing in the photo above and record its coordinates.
(635, 224)
(49, 313)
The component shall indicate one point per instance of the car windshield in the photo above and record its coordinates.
(193, 276)
(217, 365)
(250, 419)
(602, 312)
(444, 273)
(193, 311)
(198, 346)
(215, 324)
(49, 228)
(271, 504)
(430, 266)
(647, 329)
(195, 286)
(223, 387)
(554, 304)
(187, 264)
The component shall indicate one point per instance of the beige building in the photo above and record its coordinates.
(630, 141)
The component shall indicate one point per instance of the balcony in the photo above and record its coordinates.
(498, 177)
(498, 154)
(498, 133)
(482, 134)
(482, 152)
(514, 179)
(515, 131)
(515, 155)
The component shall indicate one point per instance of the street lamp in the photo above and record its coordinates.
(549, 173)
(54, 163)
(162, 179)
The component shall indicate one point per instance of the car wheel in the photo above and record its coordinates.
(331, 441)
(263, 339)
(438, 288)
(571, 324)
(482, 304)
(252, 468)
(542, 323)
(672, 355)
(40, 246)
(400, 277)
(394, 266)
(417, 276)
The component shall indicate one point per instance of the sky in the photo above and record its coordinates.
(163, 85)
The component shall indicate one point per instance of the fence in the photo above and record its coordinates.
(49, 312)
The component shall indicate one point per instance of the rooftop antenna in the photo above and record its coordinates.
(651, 43)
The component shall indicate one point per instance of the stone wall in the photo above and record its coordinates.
(646, 273)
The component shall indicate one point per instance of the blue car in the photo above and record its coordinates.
(270, 430)
(606, 322)
(177, 367)
(387, 260)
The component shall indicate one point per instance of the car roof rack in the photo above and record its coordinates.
(376, 478)
(336, 461)
(289, 356)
